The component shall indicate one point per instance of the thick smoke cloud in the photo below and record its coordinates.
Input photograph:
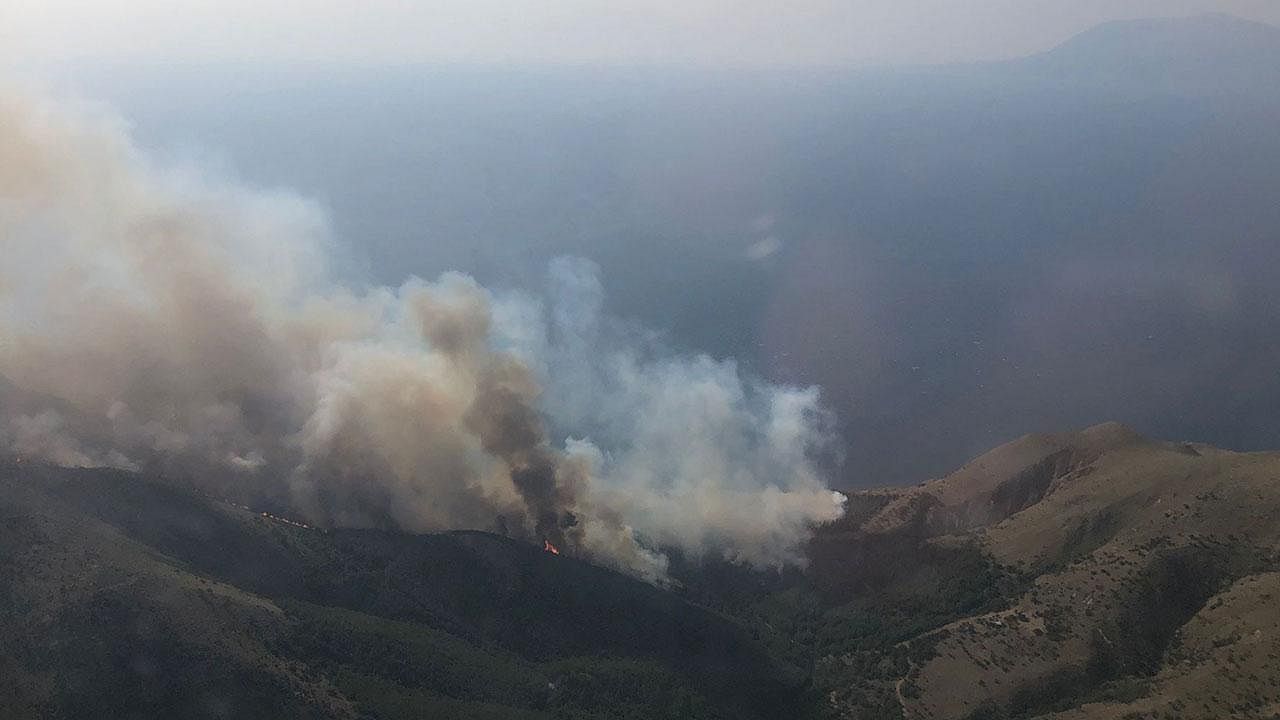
(155, 319)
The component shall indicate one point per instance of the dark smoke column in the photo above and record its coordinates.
(510, 428)
(503, 413)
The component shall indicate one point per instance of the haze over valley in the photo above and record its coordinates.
(566, 363)
(955, 254)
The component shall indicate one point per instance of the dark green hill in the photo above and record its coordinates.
(122, 597)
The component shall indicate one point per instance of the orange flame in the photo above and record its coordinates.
(548, 547)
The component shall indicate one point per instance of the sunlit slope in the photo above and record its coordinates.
(1141, 583)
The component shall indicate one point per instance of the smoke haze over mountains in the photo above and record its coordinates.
(155, 318)
(956, 255)
(475, 359)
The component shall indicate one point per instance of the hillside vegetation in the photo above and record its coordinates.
(122, 597)
(1082, 575)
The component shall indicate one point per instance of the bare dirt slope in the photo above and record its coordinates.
(1146, 583)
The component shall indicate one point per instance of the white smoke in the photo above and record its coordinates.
(156, 318)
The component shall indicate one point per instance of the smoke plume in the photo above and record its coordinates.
(156, 319)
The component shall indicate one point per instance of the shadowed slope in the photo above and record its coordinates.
(130, 597)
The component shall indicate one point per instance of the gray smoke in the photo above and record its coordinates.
(158, 318)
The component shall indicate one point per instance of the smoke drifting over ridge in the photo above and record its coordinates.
(153, 318)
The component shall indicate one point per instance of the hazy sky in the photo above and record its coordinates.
(716, 32)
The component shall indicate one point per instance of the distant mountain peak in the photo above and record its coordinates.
(1196, 55)
(1175, 37)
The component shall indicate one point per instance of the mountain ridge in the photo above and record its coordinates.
(100, 563)
(1122, 562)
(1200, 55)
(1079, 575)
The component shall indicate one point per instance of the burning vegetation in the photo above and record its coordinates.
(226, 352)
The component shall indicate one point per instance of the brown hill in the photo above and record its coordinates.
(1139, 581)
